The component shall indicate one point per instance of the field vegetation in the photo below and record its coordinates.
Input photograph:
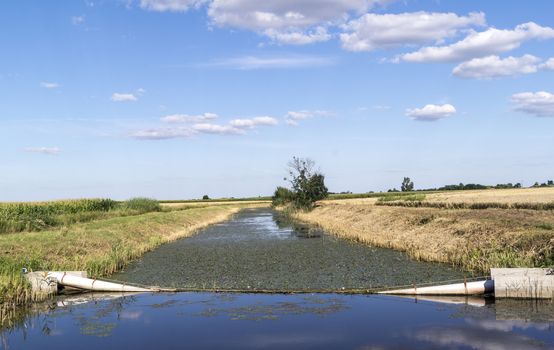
(511, 229)
(99, 247)
(19, 217)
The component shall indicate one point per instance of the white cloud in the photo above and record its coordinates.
(548, 65)
(77, 20)
(479, 44)
(162, 133)
(431, 112)
(540, 104)
(277, 62)
(287, 21)
(123, 97)
(200, 124)
(44, 150)
(185, 118)
(170, 5)
(494, 67)
(373, 31)
(294, 117)
(319, 34)
(253, 122)
(48, 85)
(208, 128)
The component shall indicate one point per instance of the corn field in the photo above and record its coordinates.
(18, 217)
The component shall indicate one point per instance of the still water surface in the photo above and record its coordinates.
(277, 321)
(256, 250)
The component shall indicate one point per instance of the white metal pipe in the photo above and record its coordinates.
(468, 288)
(74, 281)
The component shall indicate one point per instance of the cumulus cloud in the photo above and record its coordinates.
(287, 21)
(199, 124)
(161, 133)
(253, 122)
(548, 65)
(494, 67)
(44, 150)
(373, 31)
(294, 117)
(170, 5)
(123, 97)
(185, 132)
(185, 118)
(49, 85)
(208, 128)
(431, 112)
(319, 34)
(276, 62)
(479, 44)
(540, 104)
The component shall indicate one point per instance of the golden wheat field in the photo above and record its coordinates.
(516, 195)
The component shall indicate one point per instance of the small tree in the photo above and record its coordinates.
(407, 185)
(205, 197)
(308, 185)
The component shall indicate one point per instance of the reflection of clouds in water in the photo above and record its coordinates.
(508, 325)
(291, 339)
(130, 315)
(475, 338)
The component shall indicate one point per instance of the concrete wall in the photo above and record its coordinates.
(523, 283)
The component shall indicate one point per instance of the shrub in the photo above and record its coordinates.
(142, 205)
(282, 196)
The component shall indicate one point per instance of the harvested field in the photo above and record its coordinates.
(519, 195)
(473, 239)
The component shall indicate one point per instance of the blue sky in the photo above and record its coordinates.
(179, 98)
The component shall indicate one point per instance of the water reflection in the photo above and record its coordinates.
(238, 321)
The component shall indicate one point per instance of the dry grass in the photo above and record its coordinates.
(473, 239)
(518, 195)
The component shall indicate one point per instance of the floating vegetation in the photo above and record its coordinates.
(259, 250)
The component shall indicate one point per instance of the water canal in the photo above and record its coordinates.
(256, 250)
(260, 250)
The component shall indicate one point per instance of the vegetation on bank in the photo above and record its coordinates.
(210, 200)
(20, 217)
(417, 202)
(475, 240)
(307, 186)
(100, 247)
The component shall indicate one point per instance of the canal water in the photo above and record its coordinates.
(280, 321)
(257, 250)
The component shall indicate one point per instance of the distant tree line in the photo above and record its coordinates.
(548, 183)
(408, 185)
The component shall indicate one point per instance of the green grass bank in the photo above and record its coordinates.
(100, 247)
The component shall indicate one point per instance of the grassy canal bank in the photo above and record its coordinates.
(440, 227)
(100, 247)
